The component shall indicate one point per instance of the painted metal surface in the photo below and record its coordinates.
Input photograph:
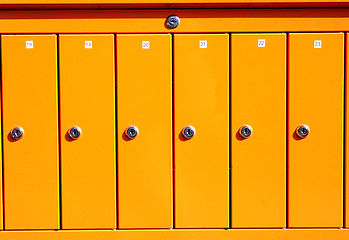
(192, 20)
(145, 101)
(203, 234)
(258, 98)
(316, 79)
(87, 100)
(201, 99)
(31, 164)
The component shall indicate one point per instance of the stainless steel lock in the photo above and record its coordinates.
(17, 133)
(132, 132)
(188, 132)
(74, 132)
(245, 131)
(172, 21)
(302, 131)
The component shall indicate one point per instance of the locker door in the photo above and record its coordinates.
(87, 92)
(29, 72)
(201, 71)
(258, 99)
(145, 102)
(347, 143)
(315, 130)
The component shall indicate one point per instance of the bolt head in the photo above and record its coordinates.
(172, 21)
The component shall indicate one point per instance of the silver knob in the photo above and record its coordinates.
(17, 133)
(302, 131)
(188, 132)
(245, 131)
(74, 132)
(132, 132)
(172, 21)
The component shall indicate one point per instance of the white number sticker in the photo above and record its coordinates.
(88, 44)
(317, 43)
(145, 44)
(29, 44)
(203, 44)
(261, 42)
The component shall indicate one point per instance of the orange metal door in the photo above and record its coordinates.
(29, 72)
(201, 70)
(258, 99)
(316, 68)
(87, 82)
(145, 102)
(346, 197)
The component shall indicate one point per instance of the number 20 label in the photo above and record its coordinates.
(145, 44)
(317, 43)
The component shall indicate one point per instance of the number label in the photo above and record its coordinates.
(261, 42)
(203, 44)
(29, 44)
(317, 43)
(88, 44)
(145, 44)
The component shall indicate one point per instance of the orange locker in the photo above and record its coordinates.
(315, 137)
(87, 90)
(346, 197)
(201, 107)
(145, 130)
(30, 131)
(258, 106)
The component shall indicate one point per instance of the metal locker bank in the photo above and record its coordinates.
(174, 119)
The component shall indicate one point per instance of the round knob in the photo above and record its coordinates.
(17, 133)
(188, 132)
(245, 131)
(131, 132)
(74, 132)
(302, 131)
(172, 21)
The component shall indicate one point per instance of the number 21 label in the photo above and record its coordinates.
(203, 44)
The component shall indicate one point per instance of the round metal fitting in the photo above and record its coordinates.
(17, 133)
(172, 21)
(245, 131)
(188, 132)
(302, 131)
(74, 132)
(131, 132)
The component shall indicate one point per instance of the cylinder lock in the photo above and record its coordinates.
(74, 132)
(131, 132)
(188, 132)
(172, 21)
(17, 133)
(302, 131)
(245, 131)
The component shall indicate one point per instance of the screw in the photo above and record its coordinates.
(172, 21)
